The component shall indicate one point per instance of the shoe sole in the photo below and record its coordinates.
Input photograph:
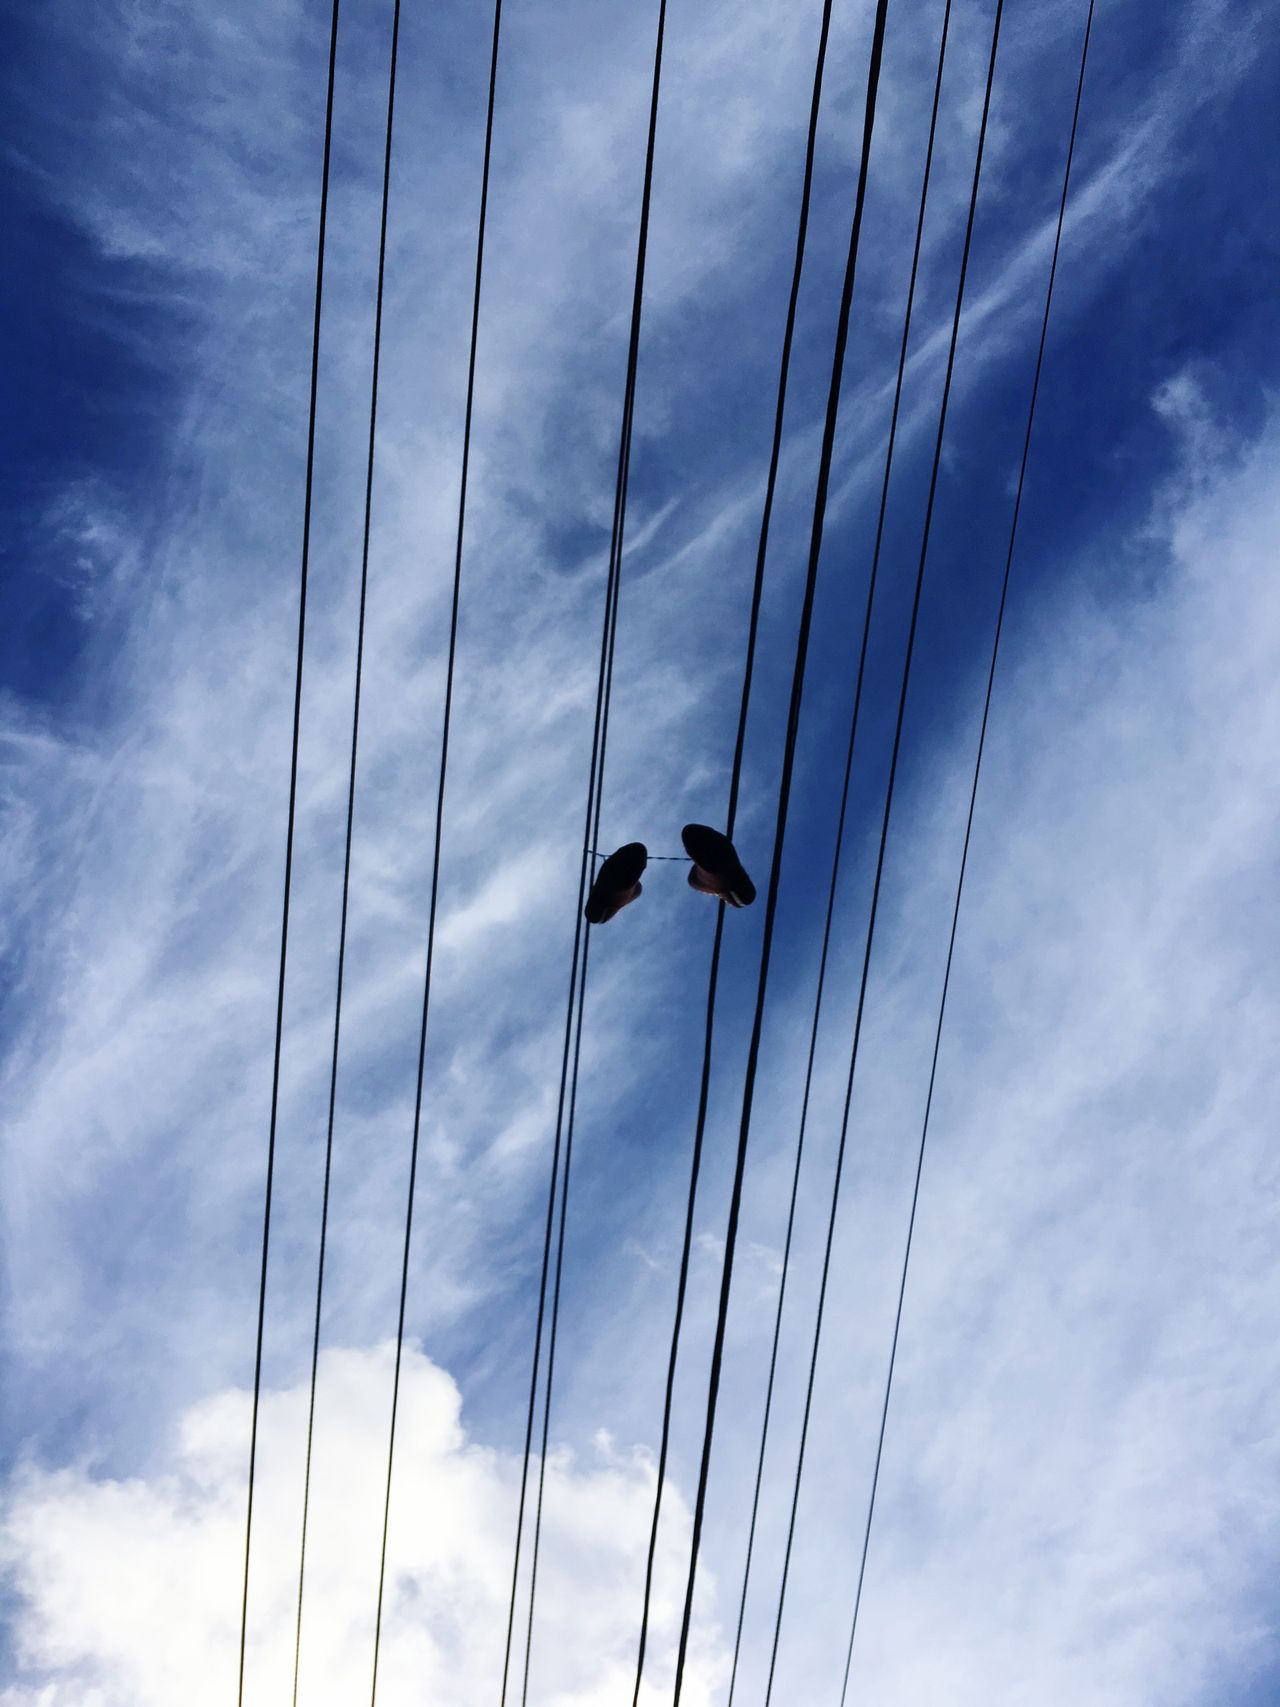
(620, 872)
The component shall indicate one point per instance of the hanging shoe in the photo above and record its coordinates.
(617, 883)
(717, 870)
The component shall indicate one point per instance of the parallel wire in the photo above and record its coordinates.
(346, 859)
(784, 799)
(616, 570)
(567, 1096)
(289, 832)
(771, 481)
(839, 844)
(610, 647)
(968, 831)
(884, 835)
(446, 721)
(555, 1323)
(576, 966)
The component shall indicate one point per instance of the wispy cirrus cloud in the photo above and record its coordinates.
(1100, 1138)
(1079, 1462)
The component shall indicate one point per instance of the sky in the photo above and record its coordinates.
(1077, 1497)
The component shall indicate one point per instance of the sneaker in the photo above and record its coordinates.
(717, 870)
(617, 883)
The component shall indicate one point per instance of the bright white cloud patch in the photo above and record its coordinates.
(131, 1587)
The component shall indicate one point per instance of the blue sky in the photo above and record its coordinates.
(1078, 1493)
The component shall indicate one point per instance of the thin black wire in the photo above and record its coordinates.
(577, 1056)
(620, 520)
(577, 962)
(577, 992)
(968, 831)
(619, 527)
(780, 409)
(288, 845)
(839, 844)
(346, 863)
(771, 481)
(555, 1323)
(884, 835)
(784, 799)
(440, 793)
(555, 1318)
(611, 643)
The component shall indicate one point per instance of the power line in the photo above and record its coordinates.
(784, 799)
(968, 831)
(581, 940)
(440, 794)
(615, 575)
(346, 858)
(839, 844)
(884, 835)
(292, 819)
(775, 453)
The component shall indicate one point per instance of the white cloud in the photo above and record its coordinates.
(131, 1587)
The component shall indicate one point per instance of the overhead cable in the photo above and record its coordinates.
(445, 724)
(346, 857)
(964, 855)
(567, 1095)
(771, 481)
(839, 845)
(784, 800)
(289, 831)
(884, 836)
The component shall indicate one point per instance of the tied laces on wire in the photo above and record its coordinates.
(676, 859)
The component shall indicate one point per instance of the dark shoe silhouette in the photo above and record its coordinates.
(617, 883)
(717, 870)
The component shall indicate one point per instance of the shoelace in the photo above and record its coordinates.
(679, 859)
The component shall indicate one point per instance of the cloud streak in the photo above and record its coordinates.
(1089, 1308)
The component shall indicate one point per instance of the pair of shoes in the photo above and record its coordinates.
(716, 871)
